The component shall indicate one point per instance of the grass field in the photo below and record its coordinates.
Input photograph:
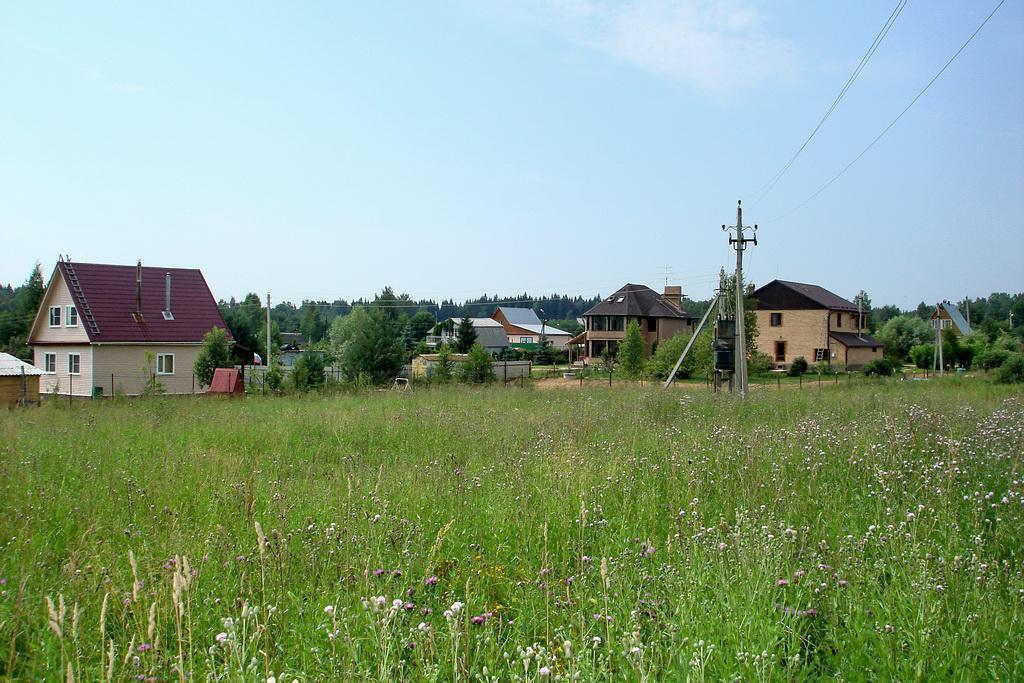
(869, 531)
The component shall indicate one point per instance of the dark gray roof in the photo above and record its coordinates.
(520, 316)
(956, 316)
(773, 296)
(852, 339)
(491, 337)
(637, 300)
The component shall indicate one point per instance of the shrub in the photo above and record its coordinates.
(797, 367)
(990, 359)
(882, 366)
(1012, 370)
(444, 368)
(759, 363)
(214, 353)
(700, 358)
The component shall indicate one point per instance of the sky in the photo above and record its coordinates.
(455, 148)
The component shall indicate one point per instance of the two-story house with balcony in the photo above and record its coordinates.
(800, 320)
(104, 329)
(661, 316)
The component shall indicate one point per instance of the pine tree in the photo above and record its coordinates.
(465, 337)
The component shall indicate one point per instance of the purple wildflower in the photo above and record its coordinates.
(431, 581)
(782, 583)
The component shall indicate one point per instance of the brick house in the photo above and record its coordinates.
(661, 316)
(800, 320)
(98, 323)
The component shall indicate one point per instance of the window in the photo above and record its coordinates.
(820, 355)
(165, 364)
(780, 352)
(652, 325)
(74, 363)
(616, 323)
(49, 363)
(72, 317)
(839, 320)
(941, 323)
(525, 340)
(54, 316)
(776, 320)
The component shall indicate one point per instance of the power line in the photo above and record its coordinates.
(892, 123)
(879, 37)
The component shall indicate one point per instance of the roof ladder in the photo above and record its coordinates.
(80, 297)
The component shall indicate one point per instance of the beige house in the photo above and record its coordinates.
(660, 316)
(107, 329)
(799, 320)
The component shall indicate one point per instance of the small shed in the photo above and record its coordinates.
(19, 381)
(227, 382)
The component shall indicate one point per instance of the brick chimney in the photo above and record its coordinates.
(673, 295)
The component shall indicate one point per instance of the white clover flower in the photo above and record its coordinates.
(329, 610)
(221, 637)
(456, 607)
(543, 672)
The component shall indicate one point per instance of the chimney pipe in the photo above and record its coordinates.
(138, 289)
(167, 298)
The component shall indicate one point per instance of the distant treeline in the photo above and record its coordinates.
(247, 318)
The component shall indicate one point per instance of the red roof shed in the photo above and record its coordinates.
(228, 382)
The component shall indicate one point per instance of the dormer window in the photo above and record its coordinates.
(54, 316)
(71, 317)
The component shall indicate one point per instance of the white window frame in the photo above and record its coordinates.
(54, 309)
(526, 340)
(160, 364)
(68, 311)
(78, 358)
(47, 357)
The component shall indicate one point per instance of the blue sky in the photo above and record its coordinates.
(451, 149)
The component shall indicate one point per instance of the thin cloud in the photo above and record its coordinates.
(716, 46)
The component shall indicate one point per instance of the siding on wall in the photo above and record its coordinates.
(60, 382)
(58, 294)
(127, 362)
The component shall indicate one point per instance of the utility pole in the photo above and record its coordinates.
(268, 336)
(740, 244)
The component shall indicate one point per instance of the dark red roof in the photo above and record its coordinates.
(108, 293)
(227, 381)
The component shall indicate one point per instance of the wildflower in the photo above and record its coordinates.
(543, 672)
(843, 583)
(940, 588)
(408, 607)
(800, 573)
(221, 637)
(782, 583)
(145, 647)
(456, 607)
(397, 573)
(329, 610)
(587, 559)
(478, 620)
(722, 546)
(430, 581)
(635, 650)
(378, 572)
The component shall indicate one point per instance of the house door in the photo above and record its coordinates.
(780, 352)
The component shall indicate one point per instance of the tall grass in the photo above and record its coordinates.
(868, 532)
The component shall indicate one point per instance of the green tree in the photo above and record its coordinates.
(1012, 370)
(700, 360)
(631, 351)
(478, 365)
(465, 336)
(367, 346)
(444, 368)
(312, 324)
(308, 371)
(797, 367)
(922, 355)
(901, 333)
(214, 353)
(419, 326)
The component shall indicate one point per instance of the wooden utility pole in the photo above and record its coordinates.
(267, 364)
(740, 244)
